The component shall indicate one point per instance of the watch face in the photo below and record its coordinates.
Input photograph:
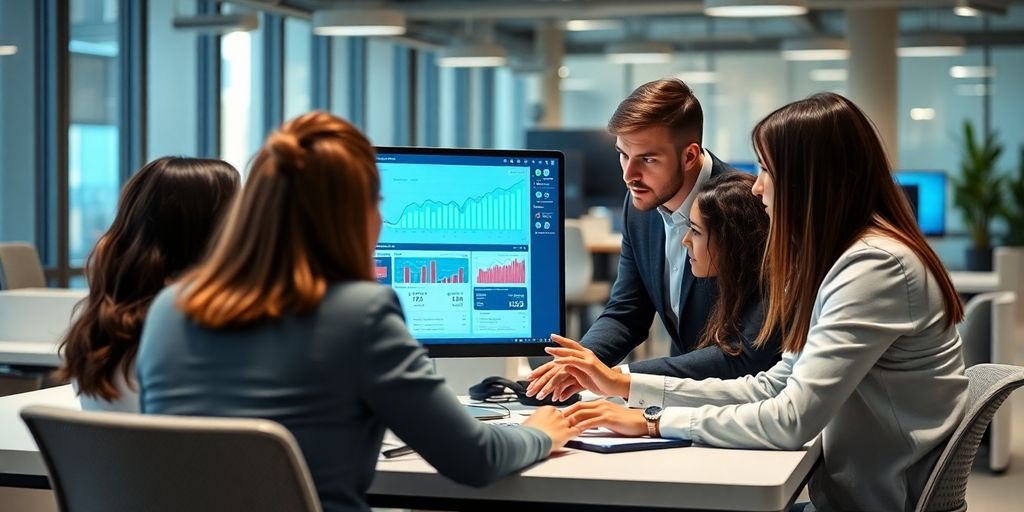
(652, 413)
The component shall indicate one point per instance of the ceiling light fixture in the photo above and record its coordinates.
(972, 71)
(358, 22)
(639, 53)
(754, 8)
(922, 114)
(828, 75)
(931, 45)
(8, 49)
(698, 77)
(218, 23)
(472, 55)
(591, 25)
(972, 8)
(819, 48)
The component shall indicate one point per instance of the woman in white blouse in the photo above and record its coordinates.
(871, 355)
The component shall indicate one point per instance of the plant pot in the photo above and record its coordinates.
(979, 259)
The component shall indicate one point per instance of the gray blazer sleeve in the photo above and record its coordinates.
(710, 361)
(865, 308)
(398, 383)
(627, 318)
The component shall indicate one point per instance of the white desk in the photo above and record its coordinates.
(975, 282)
(32, 323)
(694, 477)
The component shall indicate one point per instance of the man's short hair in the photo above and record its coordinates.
(667, 102)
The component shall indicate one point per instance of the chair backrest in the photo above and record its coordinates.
(976, 329)
(989, 385)
(20, 267)
(106, 461)
(579, 269)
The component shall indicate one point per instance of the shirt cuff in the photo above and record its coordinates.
(646, 390)
(624, 368)
(677, 423)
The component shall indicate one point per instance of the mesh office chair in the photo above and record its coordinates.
(20, 267)
(102, 461)
(989, 386)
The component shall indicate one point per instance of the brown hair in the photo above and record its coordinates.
(166, 214)
(735, 221)
(299, 225)
(832, 183)
(667, 102)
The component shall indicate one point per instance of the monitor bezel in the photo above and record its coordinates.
(503, 349)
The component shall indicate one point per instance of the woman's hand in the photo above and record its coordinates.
(602, 413)
(552, 422)
(579, 362)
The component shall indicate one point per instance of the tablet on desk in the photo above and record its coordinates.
(616, 444)
(486, 413)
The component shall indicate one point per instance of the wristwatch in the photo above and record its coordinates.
(653, 416)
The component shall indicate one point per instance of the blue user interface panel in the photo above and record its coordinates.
(926, 191)
(472, 245)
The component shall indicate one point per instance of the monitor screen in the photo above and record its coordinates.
(926, 191)
(471, 243)
(747, 167)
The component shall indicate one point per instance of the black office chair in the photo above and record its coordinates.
(114, 462)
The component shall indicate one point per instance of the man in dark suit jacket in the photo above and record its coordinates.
(658, 131)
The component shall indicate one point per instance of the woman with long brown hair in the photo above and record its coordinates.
(868, 316)
(725, 242)
(166, 214)
(285, 320)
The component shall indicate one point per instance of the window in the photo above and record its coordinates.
(17, 131)
(172, 110)
(94, 174)
(298, 62)
(241, 98)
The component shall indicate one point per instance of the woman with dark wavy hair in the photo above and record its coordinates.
(166, 215)
(726, 241)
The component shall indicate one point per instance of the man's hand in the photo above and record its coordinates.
(575, 367)
(552, 379)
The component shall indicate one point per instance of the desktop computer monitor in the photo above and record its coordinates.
(926, 191)
(747, 167)
(472, 244)
(593, 153)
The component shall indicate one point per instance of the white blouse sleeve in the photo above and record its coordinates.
(865, 306)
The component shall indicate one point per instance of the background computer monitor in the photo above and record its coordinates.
(472, 244)
(747, 167)
(593, 153)
(926, 191)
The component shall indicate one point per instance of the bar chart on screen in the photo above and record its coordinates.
(431, 270)
(495, 267)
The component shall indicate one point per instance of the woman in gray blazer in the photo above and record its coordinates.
(868, 314)
(284, 320)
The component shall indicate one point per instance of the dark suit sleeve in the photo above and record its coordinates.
(626, 320)
(712, 362)
(398, 383)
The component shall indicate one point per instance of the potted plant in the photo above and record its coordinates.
(977, 192)
(1013, 209)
